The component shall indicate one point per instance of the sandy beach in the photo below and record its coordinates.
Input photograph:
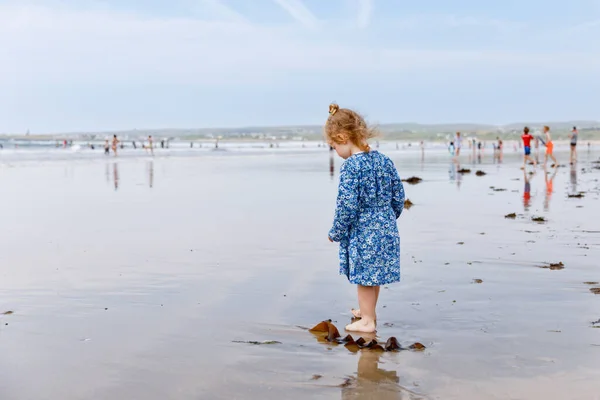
(141, 277)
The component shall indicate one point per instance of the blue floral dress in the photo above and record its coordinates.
(370, 199)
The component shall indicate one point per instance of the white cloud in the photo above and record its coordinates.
(40, 45)
(364, 13)
(299, 12)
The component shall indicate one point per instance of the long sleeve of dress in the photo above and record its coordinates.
(346, 209)
(398, 195)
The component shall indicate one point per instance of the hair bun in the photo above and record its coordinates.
(333, 108)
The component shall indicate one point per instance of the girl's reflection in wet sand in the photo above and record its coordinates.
(372, 382)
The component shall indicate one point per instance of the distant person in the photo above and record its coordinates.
(500, 150)
(150, 144)
(370, 200)
(133, 144)
(106, 147)
(574, 137)
(458, 144)
(115, 143)
(162, 144)
(527, 147)
(451, 149)
(549, 147)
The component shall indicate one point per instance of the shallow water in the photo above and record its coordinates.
(133, 277)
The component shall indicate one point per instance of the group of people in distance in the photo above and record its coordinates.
(527, 137)
(456, 144)
(115, 143)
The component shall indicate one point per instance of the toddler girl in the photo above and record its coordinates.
(370, 199)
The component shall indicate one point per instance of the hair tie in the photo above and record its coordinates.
(333, 108)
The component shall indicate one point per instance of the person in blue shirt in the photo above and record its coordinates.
(370, 200)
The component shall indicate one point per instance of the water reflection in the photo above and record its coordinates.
(372, 382)
(455, 176)
(452, 171)
(549, 187)
(573, 178)
(116, 175)
(150, 171)
(526, 190)
(331, 165)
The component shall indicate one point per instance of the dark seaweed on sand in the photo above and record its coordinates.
(480, 173)
(254, 342)
(554, 266)
(464, 171)
(327, 327)
(538, 219)
(413, 180)
(511, 216)
(595, 290)
(326, 330)
(7, 313)
(408, 204)
(347, 382)
(576, 196)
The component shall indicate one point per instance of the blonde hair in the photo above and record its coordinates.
(344, 124)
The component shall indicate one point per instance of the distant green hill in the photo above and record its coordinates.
(401, 131)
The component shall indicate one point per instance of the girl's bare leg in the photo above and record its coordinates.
(356, 313)
(367, 300)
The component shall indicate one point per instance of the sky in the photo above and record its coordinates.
(97, 65)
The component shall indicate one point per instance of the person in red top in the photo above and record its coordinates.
(527, 137)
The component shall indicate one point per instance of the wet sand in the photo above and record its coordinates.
(137, 277)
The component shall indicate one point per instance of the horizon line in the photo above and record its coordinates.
(232, 128)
